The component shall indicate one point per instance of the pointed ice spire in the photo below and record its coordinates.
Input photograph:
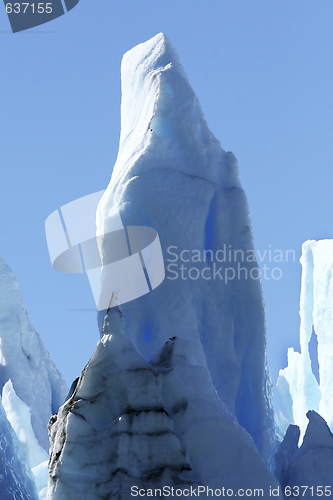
(308, 468)
(159, 107)
(285, 453)
(171, 174)
(297, 383)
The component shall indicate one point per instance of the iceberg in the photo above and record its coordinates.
(35, 384)
(297, 383)
(172, 175)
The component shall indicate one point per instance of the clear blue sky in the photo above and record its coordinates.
(262, 70)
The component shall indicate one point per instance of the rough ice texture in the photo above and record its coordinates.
(147, 424)
(41, 475)
(16, 479)
(24, 359)
(172, 174)
(308, 469)
(19, 416)
(285, 453)
(297, 383)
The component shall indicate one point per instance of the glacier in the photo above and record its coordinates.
(171, 174)
(297, 383)
(32, 391)
(177, 391)
(25, 361)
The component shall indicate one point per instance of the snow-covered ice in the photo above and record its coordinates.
(19, 416)
(24, 359)
(171, 174)
(297, 384)
(16, 478)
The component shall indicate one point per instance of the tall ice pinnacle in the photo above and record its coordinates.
(297, 383)
(172, 175)
(178, 383)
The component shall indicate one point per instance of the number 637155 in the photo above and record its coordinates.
(24, 8)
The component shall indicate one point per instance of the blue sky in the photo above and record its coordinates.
(262, 71)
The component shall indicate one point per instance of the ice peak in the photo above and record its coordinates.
(317, 432)
(160, 110)
(115, 299)
(114, 321)
(155, 53)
